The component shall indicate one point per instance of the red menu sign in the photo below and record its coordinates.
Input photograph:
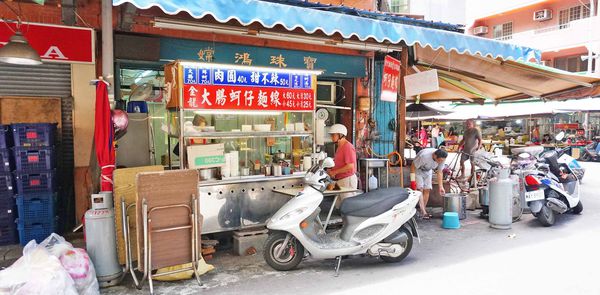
(217, 87)
(54, 43)
(391, 79)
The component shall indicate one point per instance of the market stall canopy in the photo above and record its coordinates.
(514, 110)
(477, 78)
(350, 24)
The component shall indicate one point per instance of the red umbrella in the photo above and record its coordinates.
(103, 137)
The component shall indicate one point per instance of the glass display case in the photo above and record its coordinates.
(246, 144)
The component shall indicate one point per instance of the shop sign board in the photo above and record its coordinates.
(55, 43)
(423, 82)
(226, 87)
(390, 80)
(566, 126)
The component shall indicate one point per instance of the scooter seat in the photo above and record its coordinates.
(373, 203)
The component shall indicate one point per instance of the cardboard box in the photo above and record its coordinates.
(206, 156)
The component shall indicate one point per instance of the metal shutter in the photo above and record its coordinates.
(45, 80)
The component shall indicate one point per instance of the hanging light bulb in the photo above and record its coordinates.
(18, 51)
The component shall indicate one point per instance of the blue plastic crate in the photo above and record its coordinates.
(34, 159)
(5, 140)
(6, 184)
(5, 160)
(8, 234)
(30, 135)
(33, 183)
(34, 231)
(36, 208)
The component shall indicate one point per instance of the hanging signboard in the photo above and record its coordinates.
(227, 87)
(390, 80)
(423, 82)
(566, 126)
(54, 43)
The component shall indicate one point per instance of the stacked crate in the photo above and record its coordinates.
(34, 178)
(8, 209)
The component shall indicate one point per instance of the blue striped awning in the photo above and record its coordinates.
(270, 14)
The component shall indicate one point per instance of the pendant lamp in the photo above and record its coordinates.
(18, 51)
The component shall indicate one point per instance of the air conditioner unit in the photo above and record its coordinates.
(542, 15)
(546, 63)
(481, 30)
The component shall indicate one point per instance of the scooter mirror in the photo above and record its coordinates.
(560, 136)
(328, 163)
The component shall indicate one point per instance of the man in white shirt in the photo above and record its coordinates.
(427, 160)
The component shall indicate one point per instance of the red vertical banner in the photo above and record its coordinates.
(390, 80)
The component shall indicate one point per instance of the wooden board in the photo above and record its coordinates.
(125, 188)
(164, 189)
(30, 110)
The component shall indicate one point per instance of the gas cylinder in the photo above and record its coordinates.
(101, 239)
(500, 208)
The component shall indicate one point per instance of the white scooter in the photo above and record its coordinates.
(379, 223)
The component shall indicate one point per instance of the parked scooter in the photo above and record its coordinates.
(552, 189)
(564, 158)
(379, 223)
(592, 151)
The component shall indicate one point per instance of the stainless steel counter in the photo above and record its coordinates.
(243, 203)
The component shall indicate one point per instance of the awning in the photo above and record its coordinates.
(311, 21)
(476, 78)
(516, 109)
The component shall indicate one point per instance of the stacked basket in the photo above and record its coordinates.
(8, 212)
(34, 178)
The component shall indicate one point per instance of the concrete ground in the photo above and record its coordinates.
(475, 259)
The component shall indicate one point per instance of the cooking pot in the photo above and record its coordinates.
(208, 174)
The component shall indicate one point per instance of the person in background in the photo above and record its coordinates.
(470, 143)
(423, 136)
(441, 140)
(344, 171)
(435, 133)
(427, 160)
(451, 132)
(535, 134)
(501, 133)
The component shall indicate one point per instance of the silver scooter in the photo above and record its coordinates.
(379, 223)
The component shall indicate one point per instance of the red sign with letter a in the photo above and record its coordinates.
(54, 43)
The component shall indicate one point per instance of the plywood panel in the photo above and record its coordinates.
(126, 189)
(30, 110)
(164, 189)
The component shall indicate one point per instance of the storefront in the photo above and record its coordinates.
(147, 82)
(56, 91)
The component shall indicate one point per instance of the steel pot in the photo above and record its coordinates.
(245, 171)
(208, 174)
(484, 196)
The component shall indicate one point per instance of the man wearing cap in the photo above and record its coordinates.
(344, 170)
(425, 162)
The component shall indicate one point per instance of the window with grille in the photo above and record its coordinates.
(573, 13)
(400, 6)
(503, 31)
(571, 63)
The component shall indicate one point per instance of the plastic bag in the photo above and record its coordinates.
(36, 272)
(76, 262)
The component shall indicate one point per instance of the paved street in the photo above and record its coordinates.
(473, 260)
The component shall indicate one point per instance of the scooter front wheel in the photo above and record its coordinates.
(289, 257)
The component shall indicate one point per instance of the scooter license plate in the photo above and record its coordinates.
(534, 195)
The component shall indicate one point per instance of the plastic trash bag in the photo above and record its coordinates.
(37, 272)
(76, 262)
